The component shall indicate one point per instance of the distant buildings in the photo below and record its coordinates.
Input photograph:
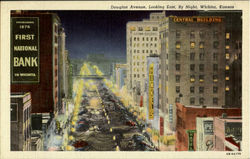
(20, 127)
(187, 130)
(120, 75)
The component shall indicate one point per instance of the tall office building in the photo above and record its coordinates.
(142, 40)
(193, 63)
(34, 60)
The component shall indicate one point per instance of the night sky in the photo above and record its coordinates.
(100, 32)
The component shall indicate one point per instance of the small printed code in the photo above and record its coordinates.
(233, 153)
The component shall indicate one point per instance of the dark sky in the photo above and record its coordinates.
(99, 31)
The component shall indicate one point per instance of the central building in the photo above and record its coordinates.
(193, 63)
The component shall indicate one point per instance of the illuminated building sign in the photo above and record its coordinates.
(151, 92)
(25, 50)
(191, 139)
(197, 19)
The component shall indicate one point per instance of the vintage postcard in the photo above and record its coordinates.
(115, 79)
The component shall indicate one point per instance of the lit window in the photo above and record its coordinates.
(235, 57)
(138, 57)
(134, 69)
(192, 78)
(178, 45)
(227, 67)
(201, 45)
(227, 88)
(227, 47)
(147, 28)
(227, 35)
(192, 45)
(143, 57)
(227, 78)
(227, 56)
(201, 78)
(215, 78)
(132, 28)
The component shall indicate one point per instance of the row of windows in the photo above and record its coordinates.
(132, 28)
(192, 89)
(145, 45)
(145, 39)
(201, 78)
(138, 75)
(201, 56)
(201, 100)
(201, 34)
(201, 45)
(201, 67)
(138, 70)
(138, 63)
(146, 51)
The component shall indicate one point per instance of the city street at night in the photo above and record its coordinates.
(103, 120)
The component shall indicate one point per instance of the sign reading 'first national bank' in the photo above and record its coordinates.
(25, 50)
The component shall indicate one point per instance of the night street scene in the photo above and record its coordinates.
(126, 80)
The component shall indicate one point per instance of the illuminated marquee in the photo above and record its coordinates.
(197, 19)
(151, 92)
